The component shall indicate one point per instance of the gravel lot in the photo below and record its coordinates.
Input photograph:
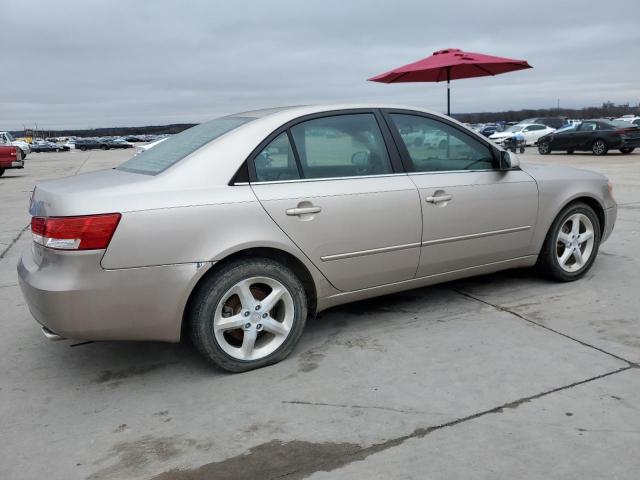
(502, 376)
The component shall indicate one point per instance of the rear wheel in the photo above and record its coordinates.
(570, 151)
(599, 147)
(544, 148)
(572, 243)
(83, 148)
(1, 171)
(627, 150)
(247, 315)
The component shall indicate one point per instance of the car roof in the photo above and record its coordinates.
(311, 109)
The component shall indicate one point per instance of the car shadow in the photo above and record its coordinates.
(111, 363)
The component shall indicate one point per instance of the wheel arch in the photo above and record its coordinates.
(590, 200)
(279, 255)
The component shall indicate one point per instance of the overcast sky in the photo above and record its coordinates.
(88, 63)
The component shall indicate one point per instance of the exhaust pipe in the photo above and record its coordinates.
(51, 335)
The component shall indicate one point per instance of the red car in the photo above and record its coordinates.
(10, 157)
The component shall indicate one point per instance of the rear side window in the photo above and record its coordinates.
(162, 156)
(341, 146)
(277, 161)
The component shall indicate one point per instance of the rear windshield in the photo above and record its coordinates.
(162, 156)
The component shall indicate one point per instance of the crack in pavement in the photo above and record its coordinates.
(364, 407)
(295, 460)
(13, 242)
(557, 332)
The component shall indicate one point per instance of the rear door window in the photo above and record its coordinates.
(276, 162)
(341, 146)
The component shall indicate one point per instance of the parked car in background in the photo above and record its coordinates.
(489, 130)
(10, 157)
(48, 147)
(117, 143)
(553, 122)
(90, 144)
(7, 139)
(301, 209)
(531, 131)
(634, 120)
(598, 136)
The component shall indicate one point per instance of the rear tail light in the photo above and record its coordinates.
(90, 232)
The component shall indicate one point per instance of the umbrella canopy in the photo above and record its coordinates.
(451, 64)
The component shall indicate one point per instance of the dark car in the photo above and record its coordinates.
(490, 130)
(48, 147)
(598, 136)
(90, 144)
(118, 144)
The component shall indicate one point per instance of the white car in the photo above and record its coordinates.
(632, 119)
(7, 139)
(531, 131)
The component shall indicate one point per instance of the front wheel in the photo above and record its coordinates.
(544, 148)
(599, 147)
(248, 315)
(572, 243)
(627, 150)
(570, 151)
(1, 171)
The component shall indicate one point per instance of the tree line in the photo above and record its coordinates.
(607, 109)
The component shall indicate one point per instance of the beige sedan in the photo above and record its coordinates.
(236, 231)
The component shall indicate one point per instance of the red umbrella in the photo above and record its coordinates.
(451, 64)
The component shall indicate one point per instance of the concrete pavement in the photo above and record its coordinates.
(501, 376)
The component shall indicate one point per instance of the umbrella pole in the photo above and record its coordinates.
(448, 91)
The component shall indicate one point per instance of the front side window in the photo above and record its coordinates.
(341, 146)
(276, 162)
(435, 146)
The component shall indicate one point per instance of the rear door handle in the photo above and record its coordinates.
(292, 212)
(439, 198)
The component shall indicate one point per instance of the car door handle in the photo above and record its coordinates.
(439, 198)
(302, 211)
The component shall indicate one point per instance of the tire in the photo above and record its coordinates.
(554, 249)
(57, 149)
(544, 148)
(570, 151)
(521, 149)
(599, 147)
(1, 171)
(627, 150)
(216, 297)
(104, 147)
(83, 148)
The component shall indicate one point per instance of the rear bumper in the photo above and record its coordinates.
(12, 164)
(73, 297)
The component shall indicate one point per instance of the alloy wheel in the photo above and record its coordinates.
(574, 242)
(253, 318)
(599, 147)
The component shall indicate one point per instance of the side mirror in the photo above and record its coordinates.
(509, 160)
(360, 159)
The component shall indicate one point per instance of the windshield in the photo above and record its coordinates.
(565, 128)
(157, 159)
(515, 128)
(9, 137)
